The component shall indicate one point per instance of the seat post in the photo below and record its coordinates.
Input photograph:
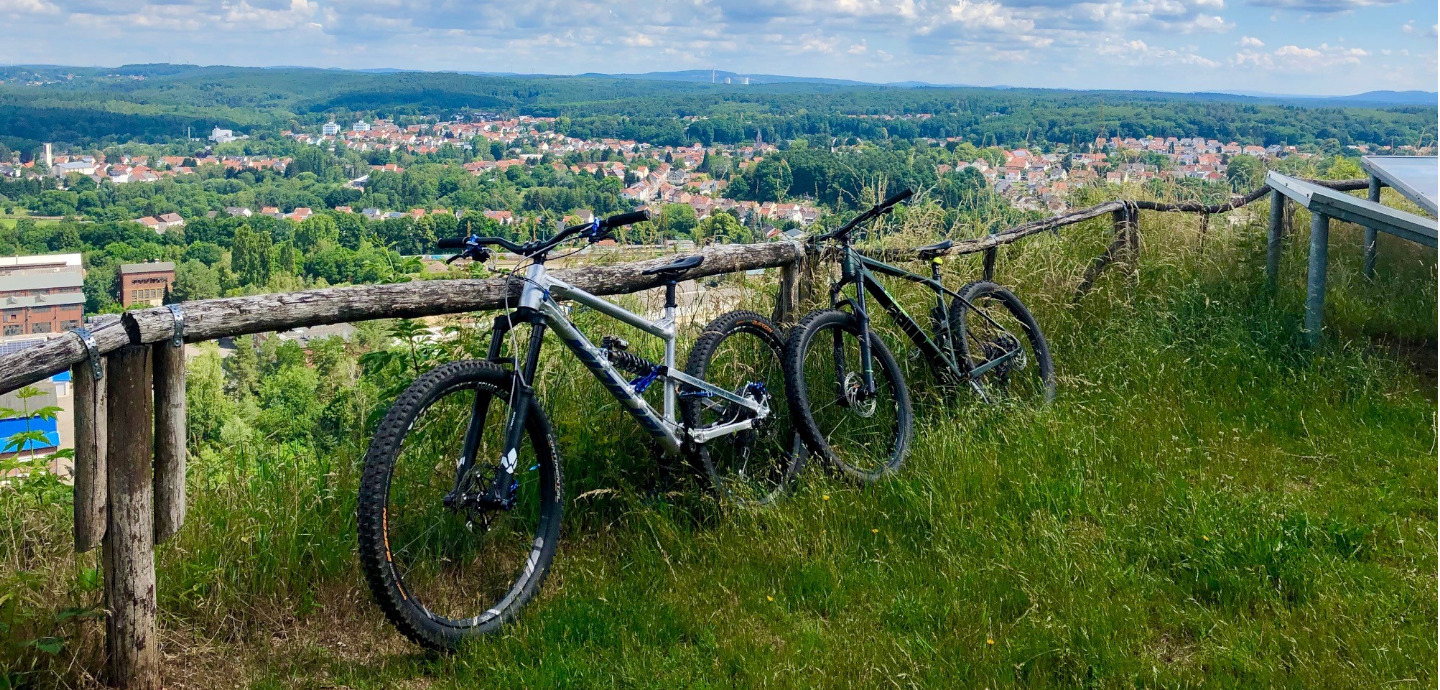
(670, 294)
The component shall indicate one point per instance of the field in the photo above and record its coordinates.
(1207, 502)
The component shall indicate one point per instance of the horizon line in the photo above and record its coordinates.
(905, 83)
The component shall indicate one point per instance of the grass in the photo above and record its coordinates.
(1206, 503)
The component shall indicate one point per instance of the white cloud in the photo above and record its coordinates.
(1293, 58)
(1323, 6)
(1073, 43)
(1139, 53)
(12, 7)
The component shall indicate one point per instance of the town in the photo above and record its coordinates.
(652, 176)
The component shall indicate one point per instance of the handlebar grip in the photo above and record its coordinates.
(897, 198)
(451, 243)
(623, 219)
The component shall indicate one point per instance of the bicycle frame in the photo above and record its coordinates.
(539, 308)
(859, 270)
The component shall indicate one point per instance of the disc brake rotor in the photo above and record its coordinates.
(855, 398)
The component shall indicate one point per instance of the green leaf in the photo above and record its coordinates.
(49, 645)
(80, 613)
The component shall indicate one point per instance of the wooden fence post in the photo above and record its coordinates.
(788, 294)
(1124, 240)
(91, 496)
(1367, 266)
(1132, 228)
(131, 643)
(169, 440)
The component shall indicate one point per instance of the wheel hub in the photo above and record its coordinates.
(855, 397)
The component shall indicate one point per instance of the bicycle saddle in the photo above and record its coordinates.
(933, 250)
(673, 269)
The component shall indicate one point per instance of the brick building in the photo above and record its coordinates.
(145, 283)
(40, 295)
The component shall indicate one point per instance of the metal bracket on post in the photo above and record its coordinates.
(178, 338)
(92, 351)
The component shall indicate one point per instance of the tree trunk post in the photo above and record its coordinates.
(787, 299)
(131, 643)
(1132, 223)
(1092, 273)
(1315, 289)
(1277, 235)
(169, 440)
(91, 497)
(1371, 236)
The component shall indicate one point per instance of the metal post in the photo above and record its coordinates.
(1368, 266)
(1315, 292)
(1272, 251)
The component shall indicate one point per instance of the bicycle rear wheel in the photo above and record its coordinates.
(441, 568)
(1004, 327)
(742, 352)
(864, 435)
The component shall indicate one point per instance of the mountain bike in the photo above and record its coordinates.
(460, 501)
(856, 415)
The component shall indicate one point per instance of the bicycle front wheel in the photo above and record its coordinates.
(864, 434)
(442, 568)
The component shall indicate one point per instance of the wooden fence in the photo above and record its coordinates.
(129, 380)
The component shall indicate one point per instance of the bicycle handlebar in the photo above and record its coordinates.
(595, 230)
(873, 212)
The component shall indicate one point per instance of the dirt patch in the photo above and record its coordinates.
(1417, 353)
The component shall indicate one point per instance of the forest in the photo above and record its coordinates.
(97, 106)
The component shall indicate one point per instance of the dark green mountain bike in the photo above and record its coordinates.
(847, 395)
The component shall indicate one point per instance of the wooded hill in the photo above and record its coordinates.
(159, 102)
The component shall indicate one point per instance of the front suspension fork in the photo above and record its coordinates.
(499, 493)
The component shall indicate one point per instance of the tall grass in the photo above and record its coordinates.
(1206, 502)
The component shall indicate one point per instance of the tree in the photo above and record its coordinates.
(316, 232)
(721, 228)
(677, 220)
(30, 437)
(1245, 172)
(195, 280)
(250, 256)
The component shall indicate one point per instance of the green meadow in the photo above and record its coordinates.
(1206, 503)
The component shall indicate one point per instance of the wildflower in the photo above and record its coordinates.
(1206, 537)
(769, 598)
(989, 640)
(826, 497)
(875, 531)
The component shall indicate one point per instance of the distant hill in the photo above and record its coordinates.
(163, 102)
(705, 76)
(1429, 98)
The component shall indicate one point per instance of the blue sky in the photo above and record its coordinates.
(1277, 46)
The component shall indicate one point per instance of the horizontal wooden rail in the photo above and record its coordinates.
(1008, 236)
(217, 318)
(232, 316)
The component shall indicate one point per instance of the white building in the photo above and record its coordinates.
(360, 126)
(330, 129)
(221, 136)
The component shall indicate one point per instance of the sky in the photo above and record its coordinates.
(1309, 47)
